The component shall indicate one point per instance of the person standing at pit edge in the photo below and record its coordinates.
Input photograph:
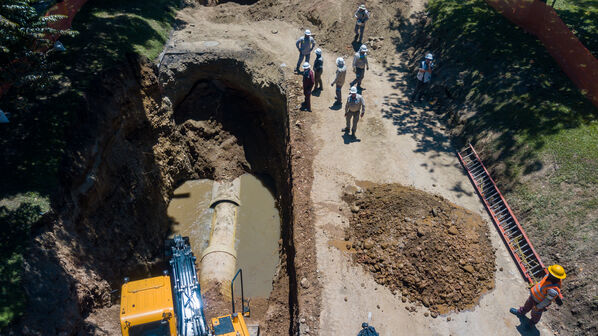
(542, 294)
(424, 75)
(308, 84)
(355, 103)
(305, 45)
(362, 15)
(339, 80)
(318, 69)
(360, 64)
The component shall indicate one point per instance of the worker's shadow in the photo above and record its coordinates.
(348, 138)
(525, 328)
(336, 107)
(356, 44)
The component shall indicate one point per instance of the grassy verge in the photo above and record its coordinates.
(33, 144)
(532, 125)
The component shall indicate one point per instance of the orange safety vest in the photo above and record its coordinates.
(540, 289)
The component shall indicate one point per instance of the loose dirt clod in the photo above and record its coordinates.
(419, 244)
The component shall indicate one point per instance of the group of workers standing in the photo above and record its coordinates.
(355, 103)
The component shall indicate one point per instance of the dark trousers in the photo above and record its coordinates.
(530, 305)
(307, 102)
(339, 95)
(359, 73)
(420, 90)
(359, 31)
(318, 80)
(300, 61)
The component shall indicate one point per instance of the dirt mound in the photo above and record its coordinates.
(420, 245)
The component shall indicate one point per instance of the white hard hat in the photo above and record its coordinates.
(353, 90)
(307, 32)
(429, 56)
(318, 51)
(361, 7)
(363, 48)
(305, 66)
(340, 62)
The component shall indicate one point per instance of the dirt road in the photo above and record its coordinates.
(397, 143)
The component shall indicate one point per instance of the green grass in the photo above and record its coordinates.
(531, 124)
(110, 29)
(33, 145)
(582, 18)
(521, 96)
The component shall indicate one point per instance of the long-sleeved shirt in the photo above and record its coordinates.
(308, 80)
(360, 62)
(362, 16)
(305, 46)
(319, 63)
(341, 73)
(355, 104)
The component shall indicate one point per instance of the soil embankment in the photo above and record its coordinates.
(421, 246)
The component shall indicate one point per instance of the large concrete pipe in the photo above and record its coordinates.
(219, 259)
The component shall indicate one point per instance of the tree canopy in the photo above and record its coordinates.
(25, 38)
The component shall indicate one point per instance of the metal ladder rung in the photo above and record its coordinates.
(463, 154)
(514, 234)
(512, 239)
(508, 214)
(511, 229)
(500, 210)
(522, 247)
(474, 165)
(487, 197)
(497, 203)
(478, 174)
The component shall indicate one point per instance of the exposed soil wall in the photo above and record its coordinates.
(141, 136)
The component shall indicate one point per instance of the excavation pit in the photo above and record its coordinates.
(148, 130)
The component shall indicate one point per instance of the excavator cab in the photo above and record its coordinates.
(146, 308)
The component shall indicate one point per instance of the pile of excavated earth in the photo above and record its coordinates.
(420, 246)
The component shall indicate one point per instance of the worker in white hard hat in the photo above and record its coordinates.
(424, 75)
(339, 79)
(355, 103)
(305, 44)
(360, 64)
(318, 69)
(308, 84)
(361, 15)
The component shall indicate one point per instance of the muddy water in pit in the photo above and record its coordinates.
(258, 228)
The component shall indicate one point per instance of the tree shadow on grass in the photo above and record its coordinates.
(492, 80)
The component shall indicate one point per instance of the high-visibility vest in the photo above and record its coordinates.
(540, 289)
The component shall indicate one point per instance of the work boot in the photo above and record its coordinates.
(353, 133)
(346, 130)
(514, 311)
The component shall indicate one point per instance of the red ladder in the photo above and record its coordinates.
(504, 219)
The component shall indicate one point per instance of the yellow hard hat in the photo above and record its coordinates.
(557, 271)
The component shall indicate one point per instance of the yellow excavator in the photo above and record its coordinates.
(171, 304)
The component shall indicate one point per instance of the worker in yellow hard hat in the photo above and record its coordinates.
(543, 293)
